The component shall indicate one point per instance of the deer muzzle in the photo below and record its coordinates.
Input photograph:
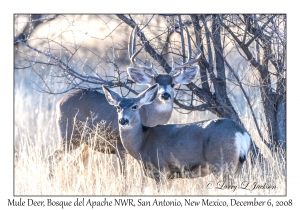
(165, 96)
(123, 121)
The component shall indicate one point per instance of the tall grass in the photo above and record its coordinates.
(36, 138)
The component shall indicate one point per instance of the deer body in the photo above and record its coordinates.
(84, 108)
(78, 115)
(179, 150)
(189, 150)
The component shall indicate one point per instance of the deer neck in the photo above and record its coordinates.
(161, 106)
(133, 139)
(156, 113)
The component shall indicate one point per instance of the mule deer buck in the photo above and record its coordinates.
(91, 107)
(179, 150)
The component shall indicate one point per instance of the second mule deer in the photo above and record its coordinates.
(88, 108)
(179, 150)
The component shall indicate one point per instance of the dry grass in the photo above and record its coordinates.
(36, 138)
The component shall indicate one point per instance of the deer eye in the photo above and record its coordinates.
(172, 85)
(134, 107)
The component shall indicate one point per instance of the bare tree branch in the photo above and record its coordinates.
(258, 32)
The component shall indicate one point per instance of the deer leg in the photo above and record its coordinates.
(54, 159)
(159, 183)
(82, 158)
(121, 152)
(58, 154)
(161, 180)
(143, 177)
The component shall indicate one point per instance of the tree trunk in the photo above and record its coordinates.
(281, 122)
(224, 106)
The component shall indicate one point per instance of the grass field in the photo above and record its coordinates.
(35, 137)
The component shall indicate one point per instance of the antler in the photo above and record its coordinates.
(132, 53)
(190, 61)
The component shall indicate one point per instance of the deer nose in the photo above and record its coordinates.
(123, 121)
(165, 96)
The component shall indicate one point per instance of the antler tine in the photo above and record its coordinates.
(190, 61)
(132, 53)
(172, 72)
(132, 58)
(189, 43)
(131, 46)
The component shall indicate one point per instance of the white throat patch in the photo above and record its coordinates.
(164, 107)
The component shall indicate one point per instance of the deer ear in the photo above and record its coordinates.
(140, 77)
(147, 96)
(186, 76)
(112, 97)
